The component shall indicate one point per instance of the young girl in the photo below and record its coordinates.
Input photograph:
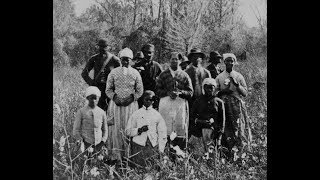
(148, 129)
(90, 124)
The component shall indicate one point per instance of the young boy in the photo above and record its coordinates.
(90, 124)
(148, 131)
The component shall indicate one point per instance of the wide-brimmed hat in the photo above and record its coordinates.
(215, 54)
(185, 60)
(102, 43)
(196, 51)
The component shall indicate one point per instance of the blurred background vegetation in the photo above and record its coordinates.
(176, 25)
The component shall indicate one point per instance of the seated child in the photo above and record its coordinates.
(90, 125)
(148, 131)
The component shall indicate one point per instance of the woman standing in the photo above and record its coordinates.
(232, 87)
(124, 88)
(174, 88)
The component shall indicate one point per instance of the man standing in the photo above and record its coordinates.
(102, 63)
(214, 68)
(149, 71)
(197, 74)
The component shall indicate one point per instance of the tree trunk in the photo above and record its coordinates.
(220, 13)
(151, 9)
(135, 14)
(159, 13)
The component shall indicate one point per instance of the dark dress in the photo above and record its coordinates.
(204, 108)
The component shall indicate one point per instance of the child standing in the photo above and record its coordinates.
(148, 131)
(90, 124)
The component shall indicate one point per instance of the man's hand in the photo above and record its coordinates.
(143, 129)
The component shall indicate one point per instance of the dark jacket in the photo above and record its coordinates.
(166, 83)
(151, 71)
(204, 109)
(95, 63)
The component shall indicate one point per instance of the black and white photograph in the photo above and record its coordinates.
(159, 90)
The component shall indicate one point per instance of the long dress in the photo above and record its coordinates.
(175, 112)
(237, 128)
(123, 82)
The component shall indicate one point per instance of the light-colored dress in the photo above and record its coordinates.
(175, 112)
(123, 82)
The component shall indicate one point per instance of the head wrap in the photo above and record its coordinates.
(126, 52)
(93, 90)
(227, 55)
(208, 81)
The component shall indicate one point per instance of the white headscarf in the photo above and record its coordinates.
(126, 52)
(227, 55)
(93, 90)
(208, 81)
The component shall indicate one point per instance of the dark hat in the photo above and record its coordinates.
(139, 55)
(215, 54)
(102, 43)
(185, 60)
(196, 51)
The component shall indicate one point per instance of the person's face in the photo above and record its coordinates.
(174, 62)
(196, 59)
(103, 49)
(209, 89)
(125, 61)
(148, 54)
(229, 62)
(93, 100)
(148, 100)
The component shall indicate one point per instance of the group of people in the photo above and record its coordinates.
(136, 105)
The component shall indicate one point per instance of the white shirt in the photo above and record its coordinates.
(157, 130)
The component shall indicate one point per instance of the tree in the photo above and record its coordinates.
(184, 28)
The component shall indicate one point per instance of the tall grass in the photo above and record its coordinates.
(68, 159)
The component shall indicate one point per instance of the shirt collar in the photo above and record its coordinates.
(149, 108)
(173, 72)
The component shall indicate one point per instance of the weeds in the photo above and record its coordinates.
(70, 159)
